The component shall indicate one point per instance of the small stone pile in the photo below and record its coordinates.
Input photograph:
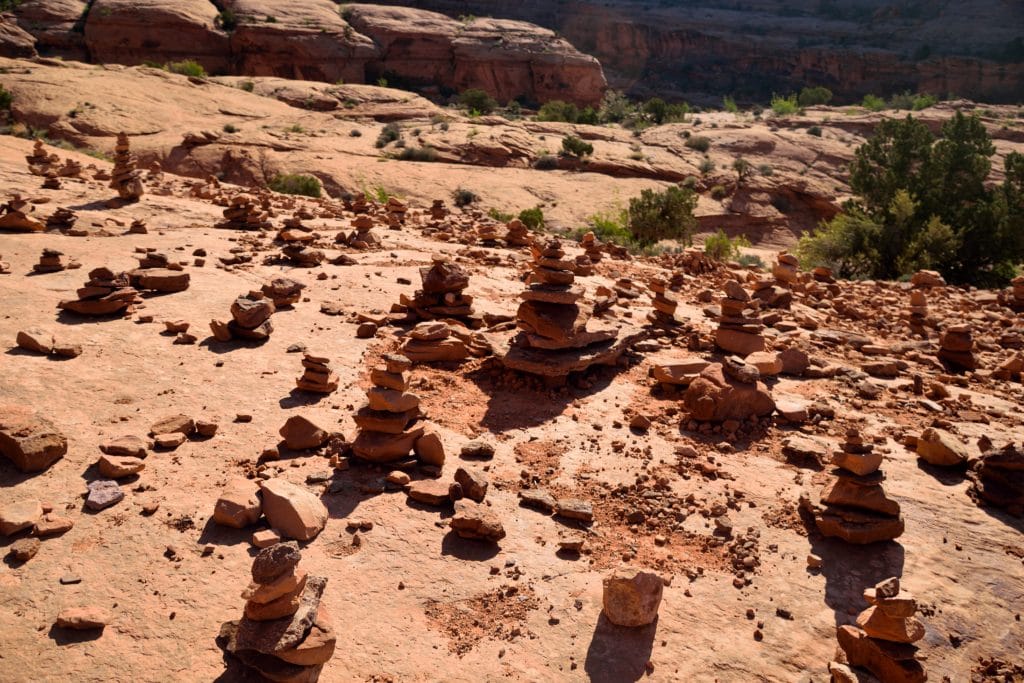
(883, 639)
(554, 339)
(5, 267)
(441, 295)
(738, 333)
(786, 268)
(298, 254)
(363, 237)
(388, 422)
(997, 478)
(250, 319)
(517, 234)
(138, 227)
(158, 273)
(664, 313)
(61, 219)
(295, 231)
(52, 181)
(956, 348)
(39, 161)
(317, 375)
(50, 262)
(730, 393)
(438, 210)
(1017, 293)
(487, 234)
(126, 177)
(396, 210)
(854, 506)
(592, 247)
(284, 292)
(436, 341)
(285, 633)
(70, 169)
(243, 213)
(918, 312)
(105, 293)
(13, 216)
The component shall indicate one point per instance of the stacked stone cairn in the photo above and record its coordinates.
(918, 313)
(52, 181)
(665, 304)
(956, 348)
(284, 292)
(437, 341)
(13, 216)
(39, 162)
(441, 295)
(883, 639)
(438, 210)
(389, 428)
(138, 227)
(299, 254)
(295, 231)
(395, 210)
(285, 633)
(592, 247)
(158, 273)
(50, 262)
(243, 213)
(517, 234)
(786, 269)
(738, 333)
(997, 478)
(105, 293)
(1017, 293)
(363, 237)
(61, 219)
(358, 205)
(126, 177)
(317, 375)
(854, 506)
(250, 319)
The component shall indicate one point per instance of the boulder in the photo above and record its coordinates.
(476, 522)
(939, 447)
(301, 434)
(632, 597)
(716, 397)
(32, 443)
(15, 517)
(293, 511)
(239, 504)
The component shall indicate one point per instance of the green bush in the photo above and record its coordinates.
(424, 153)
(923, 101)
(532, 218)
(230, 128)
(463, 197)
(355, 133)
(741, 166)
(785, 106)
(576, 147)
(924, 202)
(610, 226)
(706, 166)
(765, 169)
(499, 215)
(698, 142)
(247, 86)
(719, 192)
(296, 183)
(477, 100)
(657, 109)
(615, 107)
(729, 104)
(226, 20)
(557, 110)
(546, 162)
(656, 216)
(721, 248)
(187, 67)
(6, 99)
(810, 97)
(873, 103)
(815, 131)
(389, 133)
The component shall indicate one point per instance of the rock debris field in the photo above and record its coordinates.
(250, 434)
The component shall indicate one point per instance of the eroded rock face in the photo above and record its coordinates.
(14, 40)
(55, 25)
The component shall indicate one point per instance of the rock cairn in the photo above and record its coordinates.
(554, 339)
(299, 254)
(126, 177)
(317, 375)
(39, 162)
(517, 234)
(52, 181)
(730, 392)
(997, 478)
(389, 428)
(441, 295)
(883, 639)
(438, 210)
(363, 238)
(737, 332)
(786, 269)
(487, 234)
(854, 506)
(70, 169)
(285, 633)
(250, 319)
(105, 293)
(244, 213)
(918, 312)
(5, 267)
(284, 292)
(665, 304)
(50, 262)
(437, 341)
(592, 247)
(13, 216)
(138, 227)
(1017, 293)
(956, 348)
(294, 231)
(395, 210)
(61, 219)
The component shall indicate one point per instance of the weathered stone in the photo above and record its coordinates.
(474, 483)
(476, 522)
(273, 562)
(32, 443)
(15, 517)
(82, 618)
(292, 510)
(239, 504)
(632, 597)
(939, 447)
(301, 434)
(103, 493)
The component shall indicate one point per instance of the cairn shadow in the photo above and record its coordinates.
(849, 569)
(947, 476)
(69, 318)
(68, 636)
(219, 347)
(52, 357)
(223, 535)
(467, 549)
(297, 398)
(618, 653)
(11, 476)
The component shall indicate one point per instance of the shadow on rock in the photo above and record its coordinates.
(619, 653)
(68, 636)
(466, 549)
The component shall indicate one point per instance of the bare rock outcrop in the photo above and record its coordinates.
(14, 40)
(56, 26)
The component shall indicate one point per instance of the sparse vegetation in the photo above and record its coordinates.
(226, 20)
(719, 192)
(424, 153)
(247, 86)
(6, 99)
(477, 101)
(567, 112)
(532, 218)
(546, 162)
(765, 169)
(785, 106)
(873, 103)
(296, 183)
(576, 147)
(656, 216)
(729, 104)
(463, 197)
(698, 142)
(187, 67)
(389, 133)
(230, 128)
(719, 246)
(815, 131)
(810, 97)
(706, 166)
(499, 215)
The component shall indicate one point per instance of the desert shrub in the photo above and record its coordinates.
(477, 100)
(765, 169)
(615, 107)
(6, 99)
(873, 103)
(729, 104)
(785, 106)
(742, 167)
(815, 131)
(230, 128)
(532, 218)
(247, 86)
(610, 226)
(750, 261)
(296, 183)
(226, 20)
(656, 109)
(698, 142)
(576, 147)
(424, 153)
(588, 116)
(706, 166)
(464, 197)
(499, 215)
(546, 162)
(389, 133)
(513, 109)
(923, 101)
(355, 133)
(656, 216)
(719, 192)
(720, 247)
(557, 110)
(690, 182)
(923, 202)
(187, 67)
(810, 97)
